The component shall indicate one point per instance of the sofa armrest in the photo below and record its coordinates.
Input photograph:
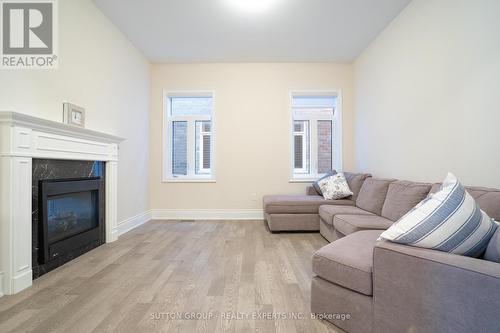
(310, 190)
(423, 290)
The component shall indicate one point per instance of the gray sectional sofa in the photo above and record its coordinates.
(383, 286)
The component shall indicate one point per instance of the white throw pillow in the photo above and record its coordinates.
(335, 187)
(449, 220)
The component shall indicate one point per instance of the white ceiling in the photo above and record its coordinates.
(214, 31)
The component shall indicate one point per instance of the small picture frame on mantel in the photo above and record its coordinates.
(73, 114)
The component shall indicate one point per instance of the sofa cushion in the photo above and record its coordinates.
(328, 212)
(402, 196)
(316, 185)
(335, 187)
(298, 204)
(310, 190)
(372, 195)
(449, 220)
(355, 181)
(348, 261)
(493, 249)
(348, 224)
(435, 187)
(487, 198)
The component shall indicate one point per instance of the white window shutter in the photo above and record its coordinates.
(179, 148)
(207, 154)
(299, 152)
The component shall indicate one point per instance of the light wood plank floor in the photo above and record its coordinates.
(175, 276)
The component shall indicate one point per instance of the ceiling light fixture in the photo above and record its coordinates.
(252, 6)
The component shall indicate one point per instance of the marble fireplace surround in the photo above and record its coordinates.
(23, 138)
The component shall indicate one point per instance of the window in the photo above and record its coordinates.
(315, 135)
(188, 137)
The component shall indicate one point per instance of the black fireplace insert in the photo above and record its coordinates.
(71, 215)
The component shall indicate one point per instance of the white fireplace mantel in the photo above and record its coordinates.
(23, 138)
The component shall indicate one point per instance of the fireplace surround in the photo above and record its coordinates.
(24, 139)
(67, 211)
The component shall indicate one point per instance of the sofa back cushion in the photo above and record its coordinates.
(372, 195)
(449, 220)
(310, 190)
(493, 249)
(402, 196)
(355, 181)
(487, 198)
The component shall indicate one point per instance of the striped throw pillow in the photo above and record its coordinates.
(449, 220)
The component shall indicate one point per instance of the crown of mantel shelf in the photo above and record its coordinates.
(54, 127)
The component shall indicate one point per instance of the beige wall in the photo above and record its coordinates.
(252, 129)
(427, 92)
(100, 70)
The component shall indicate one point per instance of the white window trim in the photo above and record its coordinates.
(167, 176)
(336, 135)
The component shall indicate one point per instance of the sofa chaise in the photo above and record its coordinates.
(300, 212)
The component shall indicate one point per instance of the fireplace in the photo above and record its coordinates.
(37, 149)
(70, 215)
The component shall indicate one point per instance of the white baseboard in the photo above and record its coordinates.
(188, 214)
(16, 284)
(112, 235)
(133, 222)
(207, 214)
(22, 281)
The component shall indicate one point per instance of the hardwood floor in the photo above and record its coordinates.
(175, 276)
